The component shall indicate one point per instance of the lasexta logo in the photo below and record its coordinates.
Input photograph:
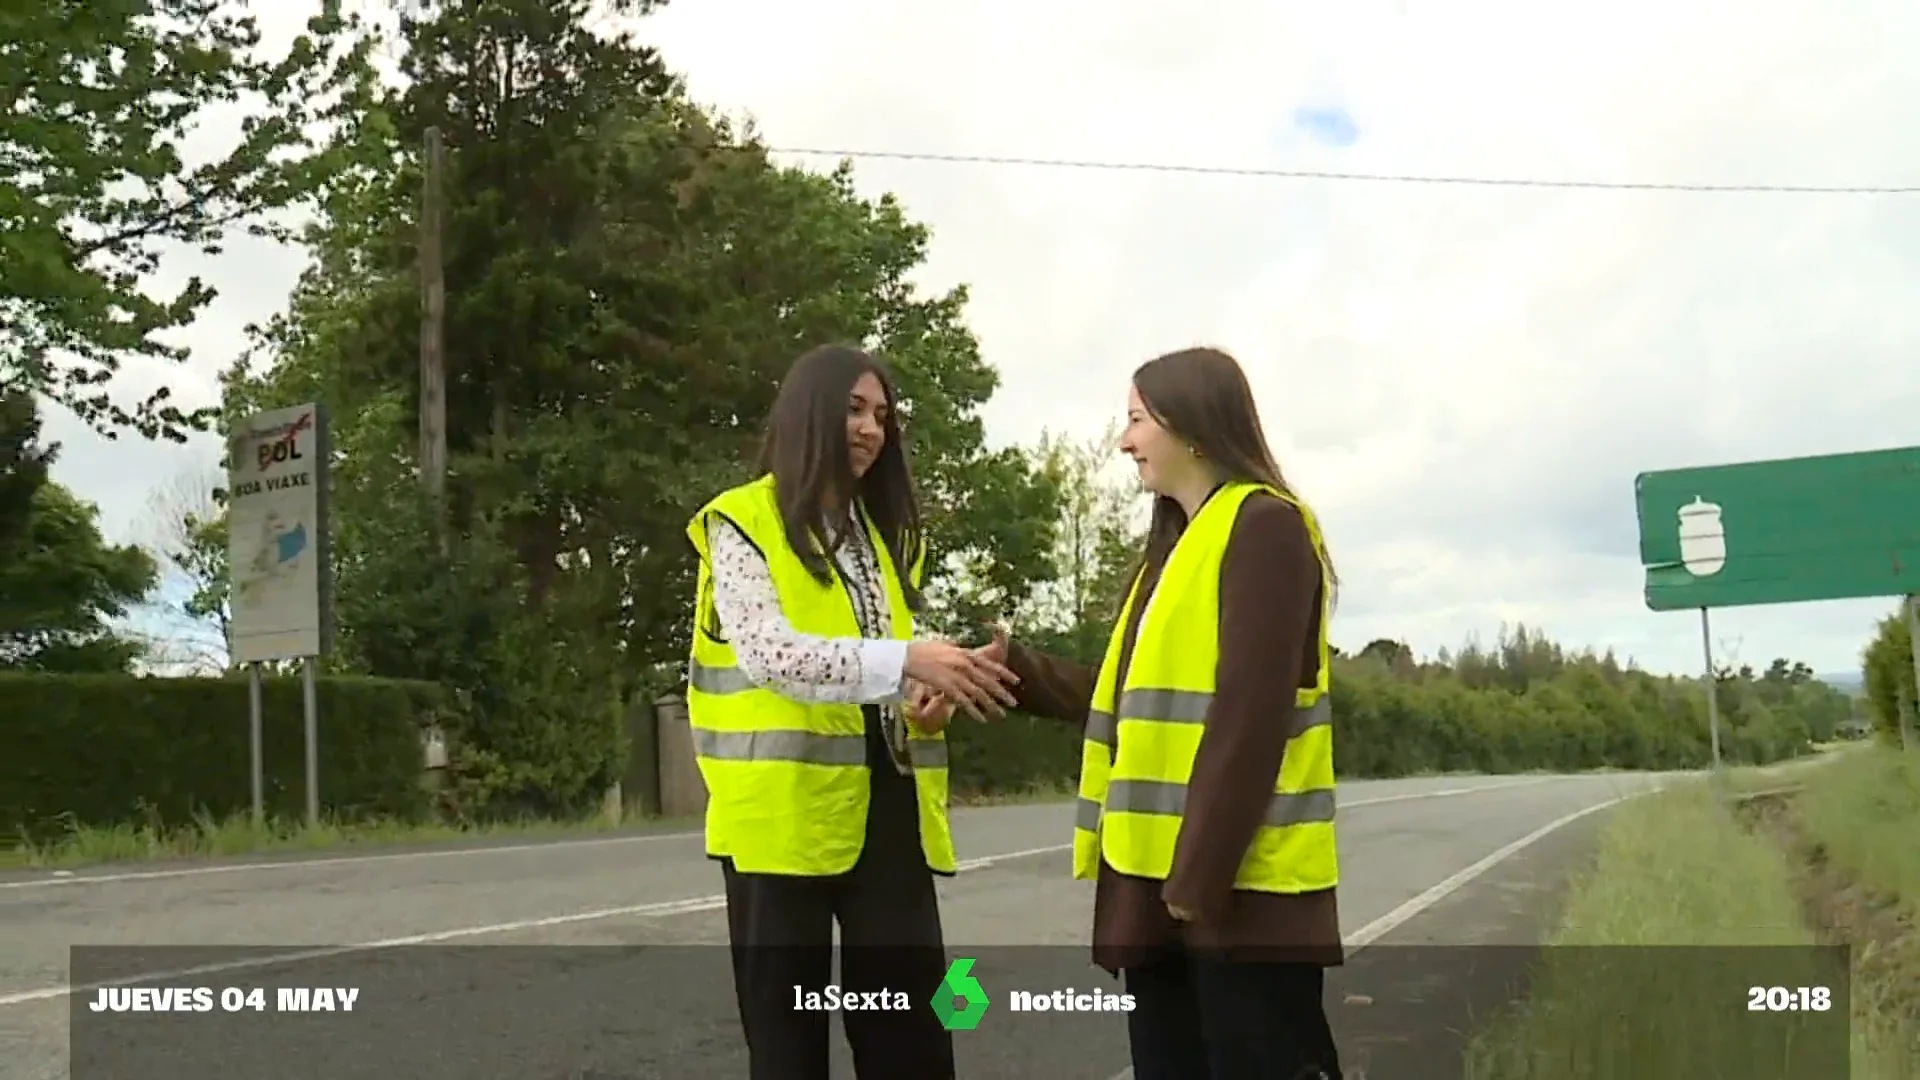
(960, 1001)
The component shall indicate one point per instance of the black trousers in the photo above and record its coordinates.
(890, 941)
(1201, 1018)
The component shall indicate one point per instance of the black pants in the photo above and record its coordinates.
(1199, 1018)
(890, 940)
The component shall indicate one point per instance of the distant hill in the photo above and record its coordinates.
(1847, 682)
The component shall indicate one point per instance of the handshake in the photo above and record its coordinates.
(942, 676)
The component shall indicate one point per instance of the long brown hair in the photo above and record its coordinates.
(1201, 397)
(805, 448)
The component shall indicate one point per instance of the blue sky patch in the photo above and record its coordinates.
(1330, 126)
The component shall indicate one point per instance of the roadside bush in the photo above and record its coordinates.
(1525, 706)
(1887, 665)
(103, 750)
(544, 689)
(1013, 755)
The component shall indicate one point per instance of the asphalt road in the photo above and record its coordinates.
(654, 1000)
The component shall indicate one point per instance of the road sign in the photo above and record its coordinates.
(1778, 532)
(277, 535)
(278, 562)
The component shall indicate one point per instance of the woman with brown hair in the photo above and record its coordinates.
(1206, 790)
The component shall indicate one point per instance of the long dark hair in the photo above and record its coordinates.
(1201, 397)
(805, 448)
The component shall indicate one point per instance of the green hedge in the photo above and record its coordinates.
(106, 750)
(1011, 755)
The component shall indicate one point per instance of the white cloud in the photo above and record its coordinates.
(1464, 380)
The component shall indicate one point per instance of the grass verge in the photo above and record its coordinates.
(1858, 828)
(1045, 792)
(209, 837)
(1681, 868)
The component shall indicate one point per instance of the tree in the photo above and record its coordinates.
(60, 593)
(1535, 704)
(1392, 656)
(96, 102)
(187, 539)
(1096, 543)
(627, 280)
(1783, 673)
(24, 462)
(1887, 668)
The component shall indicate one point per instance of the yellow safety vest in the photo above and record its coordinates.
(1131, 799)
(787, 784)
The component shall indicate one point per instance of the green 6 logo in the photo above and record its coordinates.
(961, 1001)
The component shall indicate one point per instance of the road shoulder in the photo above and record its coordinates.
(1407, 1005)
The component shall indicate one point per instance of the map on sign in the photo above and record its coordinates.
(276, 553)
(1780, 532)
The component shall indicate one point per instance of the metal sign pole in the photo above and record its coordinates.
(313, 743)
(1713, 688)
(253, 736)
(1913, 641)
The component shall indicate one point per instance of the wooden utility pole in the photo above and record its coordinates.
(433, 317)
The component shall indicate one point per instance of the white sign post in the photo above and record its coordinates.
(1703, 551)
(279, 561)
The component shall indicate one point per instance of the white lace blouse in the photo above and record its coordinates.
(867, 670)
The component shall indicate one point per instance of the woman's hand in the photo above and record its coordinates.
(995, 650)
(927, 708)
(975, 682)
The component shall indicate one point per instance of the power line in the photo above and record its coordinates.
(1312, 174)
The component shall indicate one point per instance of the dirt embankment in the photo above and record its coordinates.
(1843, 910)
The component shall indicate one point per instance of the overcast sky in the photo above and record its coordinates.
(1462, 380)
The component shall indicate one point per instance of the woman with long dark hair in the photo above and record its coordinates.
(827, 795)
(1206, 791)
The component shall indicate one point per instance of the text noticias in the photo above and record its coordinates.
(1068, 1000)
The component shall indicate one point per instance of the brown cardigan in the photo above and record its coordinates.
(1269, 624)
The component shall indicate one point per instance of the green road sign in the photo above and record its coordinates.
(1781, 532)
(960, 1001)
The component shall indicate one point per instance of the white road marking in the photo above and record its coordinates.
(69, 879)
(653, 910)
(1449, 792)
(657, 909)
(1392, 920)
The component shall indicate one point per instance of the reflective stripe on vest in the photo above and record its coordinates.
(807, 748)
(787, 781)
(1161, 797)
(1138, 755)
